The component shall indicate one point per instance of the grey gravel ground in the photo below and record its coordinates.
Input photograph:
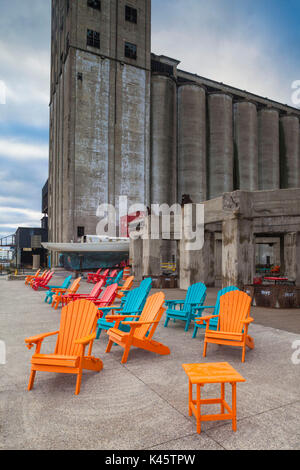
(143, 405)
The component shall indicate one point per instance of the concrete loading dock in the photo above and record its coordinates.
(233, 222)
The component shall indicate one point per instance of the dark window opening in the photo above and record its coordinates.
(131, 14)
(130, 50)
(80, 232)
(160, 67)
(93, 38)
(96, 4)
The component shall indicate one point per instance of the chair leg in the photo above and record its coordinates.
(31, 379)
(126, 353)
(98, 333)
(244, 352)
(187, 325)
(167, 322)
(78, 382)
(195, 332)
(205, 349)
(109, 346)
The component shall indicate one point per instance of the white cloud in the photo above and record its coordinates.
(17, 150)
(215, 41)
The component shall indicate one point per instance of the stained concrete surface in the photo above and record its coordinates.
(143, 404)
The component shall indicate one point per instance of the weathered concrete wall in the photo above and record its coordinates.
(220, 163)
(237, 252)
(292, 256)
(192, 143)
(290, 152)
(268, 149)
(163, 140)
(246, 145)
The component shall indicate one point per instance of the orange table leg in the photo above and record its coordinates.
(199, 409)
(190, 398)
(234, 426)
(222, 398)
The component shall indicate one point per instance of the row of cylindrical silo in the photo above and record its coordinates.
(204, 144)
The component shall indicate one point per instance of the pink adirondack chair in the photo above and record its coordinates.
(92, 296)
(98, 277)
(42, 282)
(108, 296)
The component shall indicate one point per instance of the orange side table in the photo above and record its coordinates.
(217, 373)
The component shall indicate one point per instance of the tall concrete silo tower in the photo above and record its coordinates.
(99, 110)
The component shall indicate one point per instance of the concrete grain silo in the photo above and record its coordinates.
(290, 152)
(192, 142)
(246, 145)
(220, 138)
(268, 149)
(163, 140)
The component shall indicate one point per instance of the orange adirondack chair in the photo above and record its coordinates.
(40, 276)
(41, 282)
(59, 293)
(125, 288)
(234, 320)
(31, 276)
(147, 323)
(77, 331)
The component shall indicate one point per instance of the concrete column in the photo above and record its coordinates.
(151, 251)
(197, 266)
(237, 252)
(136, 257)
(292, 256)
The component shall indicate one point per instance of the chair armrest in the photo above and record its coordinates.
(86, 340)
(173, 302)
(248, 321)
(121, 317)
(60, 290)
(38, 339)
(136, 324)
(113, 307)
(207, 318)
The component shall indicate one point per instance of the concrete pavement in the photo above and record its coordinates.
(144, 404)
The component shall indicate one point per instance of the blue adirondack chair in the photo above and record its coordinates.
(50, 292)
(195, 298)
(134, 304)
(213, 324)
(115, 280)
(146, 284)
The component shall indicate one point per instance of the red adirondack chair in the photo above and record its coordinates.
(96, 277)
(92, 296)
(42, 282)
(91, 276)
(108, 296)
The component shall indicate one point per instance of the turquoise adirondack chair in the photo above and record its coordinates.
(145, 284)
(115, 280)
(50, 292)
(195, 298)
(213, 324)
(134, 304)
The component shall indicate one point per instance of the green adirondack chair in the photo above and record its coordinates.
(213, 324)
(195, 298)
(134, 304)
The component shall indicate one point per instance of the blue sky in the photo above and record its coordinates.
(250, 44)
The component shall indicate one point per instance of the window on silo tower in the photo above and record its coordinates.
(130, 51)
(93, 38)
(131, 14)
(96, 4)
